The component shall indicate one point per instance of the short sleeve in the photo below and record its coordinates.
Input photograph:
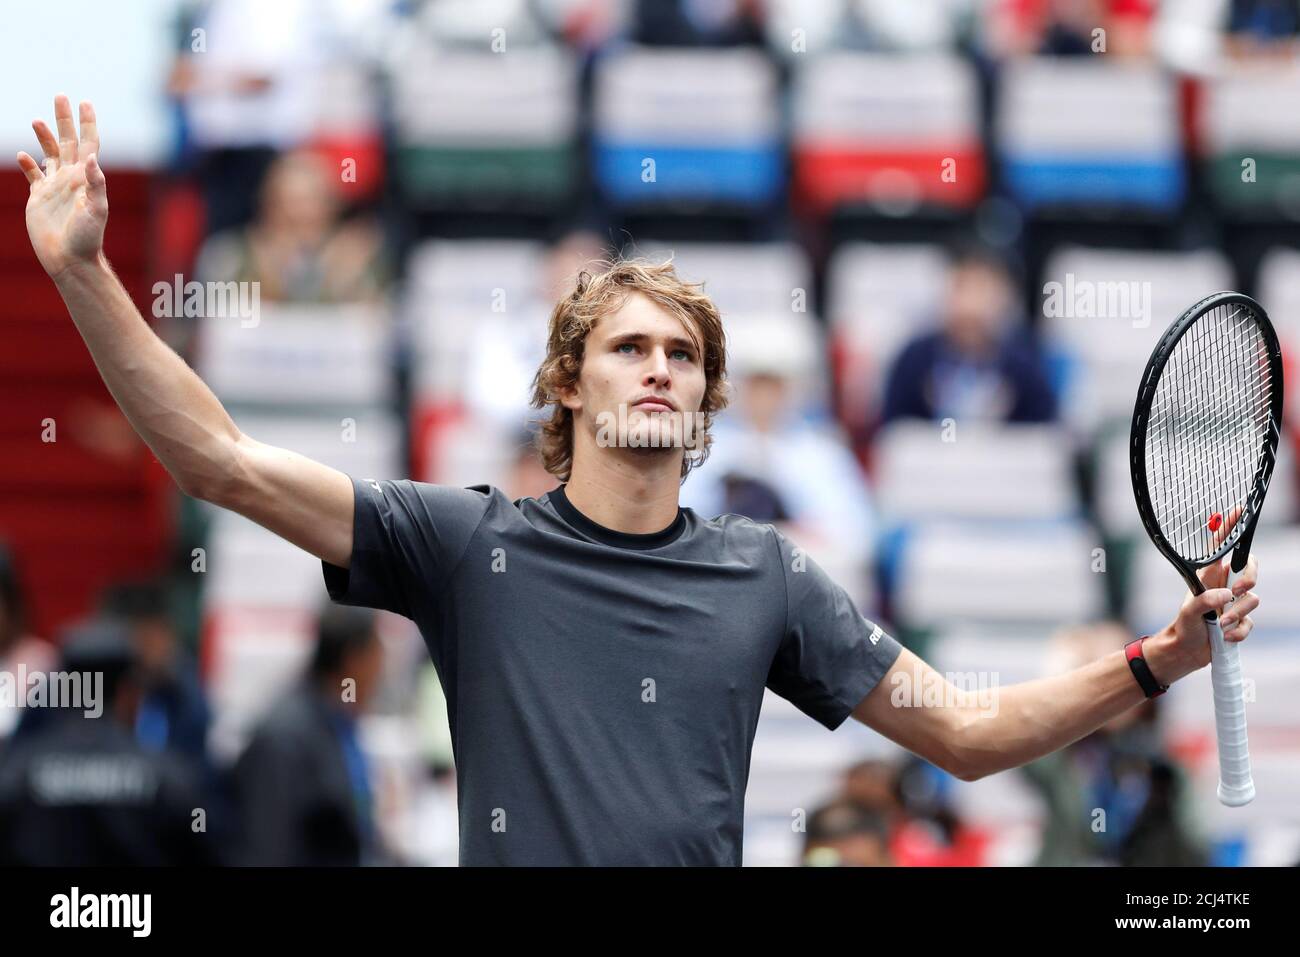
(407, 539)
(830, 656)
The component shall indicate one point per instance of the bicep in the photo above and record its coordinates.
(900, 708)
(299, 499)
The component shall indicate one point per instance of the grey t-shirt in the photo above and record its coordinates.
(603, 688)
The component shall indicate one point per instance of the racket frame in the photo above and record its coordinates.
(1243, 533)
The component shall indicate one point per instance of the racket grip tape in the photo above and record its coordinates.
(1236, 786)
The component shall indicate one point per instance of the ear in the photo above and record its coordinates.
(570, 397)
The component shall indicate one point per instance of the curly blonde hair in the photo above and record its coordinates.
(599, 294)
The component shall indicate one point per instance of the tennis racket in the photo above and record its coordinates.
(1203, 445)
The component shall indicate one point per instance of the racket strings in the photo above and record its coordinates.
(1209, 425)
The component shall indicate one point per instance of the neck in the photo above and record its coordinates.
(635, 492)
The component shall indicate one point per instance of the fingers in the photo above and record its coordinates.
(31, 169)
(67, 129)
(1216, 575)
(1210, 600)
(89, 129)
(1239, 609)
(1239, 631)
(49, 145)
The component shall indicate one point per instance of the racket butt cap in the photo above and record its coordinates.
(1237, 797)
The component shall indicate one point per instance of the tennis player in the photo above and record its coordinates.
(604, 651)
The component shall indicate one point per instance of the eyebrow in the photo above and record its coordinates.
(676, 341)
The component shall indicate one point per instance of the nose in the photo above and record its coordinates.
(657, 370)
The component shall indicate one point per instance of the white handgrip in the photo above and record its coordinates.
(1236, 787)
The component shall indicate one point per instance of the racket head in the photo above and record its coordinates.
(1205, 430)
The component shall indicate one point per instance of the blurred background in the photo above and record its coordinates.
(945, 236)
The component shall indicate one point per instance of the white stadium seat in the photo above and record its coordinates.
(1000, 472)
(1107, 308)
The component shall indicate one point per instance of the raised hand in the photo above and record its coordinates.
(68, 206)
(1187, 648)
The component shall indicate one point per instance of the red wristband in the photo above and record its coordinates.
(1141, 670)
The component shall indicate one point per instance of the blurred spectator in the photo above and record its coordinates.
(981, 364)
(846, 834)
(81, 791)
(930, 832)
(1120, 28)
(1116, 796)
(697, 22)
(299, 249)
(250, 79)
(914, 27)
(1259, 28)
(303, 783)
(173, 713)
(770, 462)
(874, 785)
(18, 648)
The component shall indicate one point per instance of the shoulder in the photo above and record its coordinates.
(731, 532)
(427, 502)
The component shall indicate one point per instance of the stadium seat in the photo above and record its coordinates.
(1029, 574)
(485, 131)
(299, 355)
(1103, 312)
(674, 126)
(1089, 132)
(742, 279)
(1251, 158)
(890, 131)
(1003, 473)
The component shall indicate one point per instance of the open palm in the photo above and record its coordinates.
(68, 206)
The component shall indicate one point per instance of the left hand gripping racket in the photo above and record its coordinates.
(1203, 443)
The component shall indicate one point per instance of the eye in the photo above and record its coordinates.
(625, 345)
(686, 355)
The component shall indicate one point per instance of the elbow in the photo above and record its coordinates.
(217, 480)
(966, 758)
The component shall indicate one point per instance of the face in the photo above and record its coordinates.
(765, 399)
(155, 644)
(978, 300)
(298, 195)
(638, 353)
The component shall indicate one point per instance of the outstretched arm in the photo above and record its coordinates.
(170, 407)
(973, 733)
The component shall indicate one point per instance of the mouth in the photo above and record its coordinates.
(654, 405)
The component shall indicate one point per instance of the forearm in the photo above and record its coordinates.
(1023, 722)
(162, 397)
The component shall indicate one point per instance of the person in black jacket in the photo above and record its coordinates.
(981, 363)
(302, 784)
(79, 790)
